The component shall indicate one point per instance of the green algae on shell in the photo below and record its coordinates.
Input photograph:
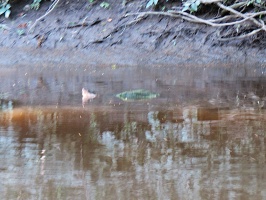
(133, 95)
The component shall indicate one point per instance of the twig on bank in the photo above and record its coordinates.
(84, 23)
(50, 9)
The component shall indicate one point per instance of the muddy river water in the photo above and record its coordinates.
(202, 138)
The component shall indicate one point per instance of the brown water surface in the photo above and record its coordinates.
(202, 138)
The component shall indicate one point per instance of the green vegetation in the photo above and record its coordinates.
(151, 3)
(35, 4)
(234, 19)
(105, 5)
(191, 5)
(5, 8)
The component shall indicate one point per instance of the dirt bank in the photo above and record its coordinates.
(82, 33)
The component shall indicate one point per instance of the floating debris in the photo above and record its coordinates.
(86, 95)
(133, 95)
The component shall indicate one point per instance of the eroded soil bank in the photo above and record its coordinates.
(79, 33)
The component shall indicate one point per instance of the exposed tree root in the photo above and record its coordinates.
(235, 18)
(50, 9)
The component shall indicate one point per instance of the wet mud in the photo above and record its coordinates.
(83, 33)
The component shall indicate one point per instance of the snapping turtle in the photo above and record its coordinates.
(133, 95)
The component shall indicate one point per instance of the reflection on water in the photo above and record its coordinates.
(204, 140)
(93, 153)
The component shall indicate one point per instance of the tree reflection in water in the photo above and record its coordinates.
(179, 153)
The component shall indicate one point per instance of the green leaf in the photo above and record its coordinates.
(258, 1)
(8, 6)
(105, 5)
(2, 10)
(20, 32)
(194, 7)
(149, 4)
(250, 2)
(4, 27)
(185, 8)
(186, 4)
(197, 2)
(35, 4)
(7, 13)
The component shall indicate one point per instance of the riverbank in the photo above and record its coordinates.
(80, 34)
